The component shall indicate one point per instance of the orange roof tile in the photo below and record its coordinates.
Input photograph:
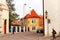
(16, 23)
(28, 16)
(32, 15)
(41, 21)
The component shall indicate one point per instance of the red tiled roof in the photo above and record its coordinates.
(28, 16)
(16, 23)
(32, 15)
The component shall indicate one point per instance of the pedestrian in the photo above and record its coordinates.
(54, 34)
(13, 29)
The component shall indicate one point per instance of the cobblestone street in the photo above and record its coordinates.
(25, 36)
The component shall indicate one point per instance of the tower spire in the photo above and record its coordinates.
(24, 9)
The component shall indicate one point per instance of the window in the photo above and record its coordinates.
(33, 28)
(33, 20)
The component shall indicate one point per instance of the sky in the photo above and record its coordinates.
(30, 4)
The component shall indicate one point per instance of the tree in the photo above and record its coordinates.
(12, 14)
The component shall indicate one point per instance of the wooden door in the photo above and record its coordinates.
(4, 26)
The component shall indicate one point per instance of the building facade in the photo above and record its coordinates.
(4, 17)
(32, 21)
(53, 13)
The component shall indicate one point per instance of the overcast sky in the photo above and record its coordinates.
(34, 4)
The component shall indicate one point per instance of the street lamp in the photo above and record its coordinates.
(48, 21)
(46, 14)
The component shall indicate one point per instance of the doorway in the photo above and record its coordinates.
(5, 26)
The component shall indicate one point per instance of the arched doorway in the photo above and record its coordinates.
(5, 26)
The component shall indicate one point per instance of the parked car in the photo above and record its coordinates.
(39, 31)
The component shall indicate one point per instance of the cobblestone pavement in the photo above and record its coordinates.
(25, 36)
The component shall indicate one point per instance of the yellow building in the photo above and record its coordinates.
(4, 17)
(32, 21)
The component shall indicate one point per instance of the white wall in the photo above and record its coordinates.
(5, 15)
(53, 7)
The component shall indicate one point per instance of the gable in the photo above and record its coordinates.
(32, 15)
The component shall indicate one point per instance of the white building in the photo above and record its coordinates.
(4, 17)
(53, 9)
